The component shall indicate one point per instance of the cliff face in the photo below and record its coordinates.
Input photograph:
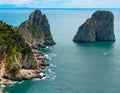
(100, 27)
(37, 29)
(17, 59)
(14, 52)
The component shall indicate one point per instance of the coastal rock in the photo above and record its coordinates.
(15, 55)
(6, 83)
(29, 74)
(36, 30)
(100, 27)
(0, 89)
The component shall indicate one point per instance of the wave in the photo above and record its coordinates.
(21, 82)
(46, 57)
(105, 54)
(51, 75)
(50, 71)
(13, 82)
(49, 47)
(52, 55)
(49, 56)
(3, 86)
(42, 74)
(52, 65)
(43, 78)
(36, 79)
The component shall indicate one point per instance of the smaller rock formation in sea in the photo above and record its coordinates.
(36, 30)
(100, 27)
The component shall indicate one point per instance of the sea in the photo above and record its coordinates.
(74, 67)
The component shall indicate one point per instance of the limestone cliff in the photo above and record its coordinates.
(36, 30)
(100, 27)
(17, 59)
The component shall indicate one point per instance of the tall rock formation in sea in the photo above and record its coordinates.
(36, 30)
(100, 27)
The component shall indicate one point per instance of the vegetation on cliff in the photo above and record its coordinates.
(12, 44)
(36, 30)
(19, 60)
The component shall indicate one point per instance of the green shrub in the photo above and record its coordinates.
(15, 45)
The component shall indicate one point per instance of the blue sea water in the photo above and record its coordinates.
(74, 68)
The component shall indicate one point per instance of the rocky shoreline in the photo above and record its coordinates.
(27, 74)
(19, 55)
(0, 89)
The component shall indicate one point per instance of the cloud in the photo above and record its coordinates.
(63, 3)
(76, 3)
(92, 4)
(45, 3)
(14, 1)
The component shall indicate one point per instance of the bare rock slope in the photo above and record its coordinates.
(100, 27)
(36, 30)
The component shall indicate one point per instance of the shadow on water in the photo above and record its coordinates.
(19, 87)
(98, 45)
(48, 49)
(97, 64)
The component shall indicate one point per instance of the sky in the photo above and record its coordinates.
(60, 3)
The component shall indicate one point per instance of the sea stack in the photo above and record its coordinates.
(100, 27)
(36, 30)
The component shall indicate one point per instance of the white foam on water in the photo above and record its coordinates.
(47, 47)
(21, 82)
(43, 78)
(50, 71)
(13, 82)
(46, 56)
(3, 86)
(52, 65)
(106, 53)
(37, 79)
(41, 74)
(51, 75)
(53, 55)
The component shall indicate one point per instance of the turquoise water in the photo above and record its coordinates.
(74, 68)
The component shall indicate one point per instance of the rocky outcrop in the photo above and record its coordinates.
(36, 30)
(100, 27)
(17, 56)
(0, 89)
(21, 68)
